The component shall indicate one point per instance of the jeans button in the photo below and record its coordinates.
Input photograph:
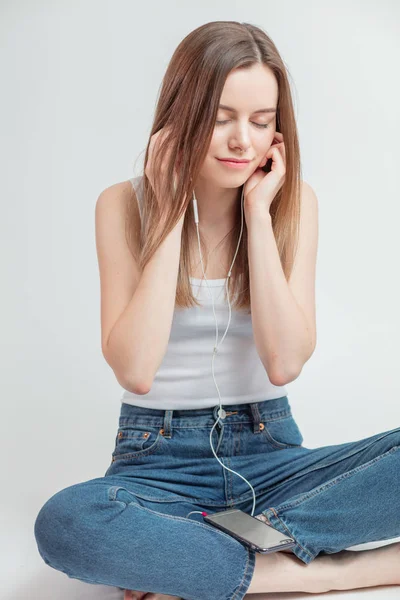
(221, 413)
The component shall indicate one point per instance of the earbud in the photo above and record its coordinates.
(196, 214)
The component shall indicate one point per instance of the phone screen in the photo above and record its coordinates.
(254, 533)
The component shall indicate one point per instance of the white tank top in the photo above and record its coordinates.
(184, 379)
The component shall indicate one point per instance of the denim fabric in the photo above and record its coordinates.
(131, 528)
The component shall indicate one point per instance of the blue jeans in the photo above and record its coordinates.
(131, 528)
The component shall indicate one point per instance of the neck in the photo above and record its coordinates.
(217, 208)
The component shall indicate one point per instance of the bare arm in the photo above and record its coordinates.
(283, 313)
(137, 309)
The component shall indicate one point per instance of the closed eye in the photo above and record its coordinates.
(256, 124)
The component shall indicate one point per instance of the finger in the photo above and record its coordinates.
(277, 159)
(268, 156)
(282, 151)
(279, 150)
(281, 144)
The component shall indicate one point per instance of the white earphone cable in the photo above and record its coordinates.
(221, 412)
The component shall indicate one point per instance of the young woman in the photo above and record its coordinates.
(205, 422)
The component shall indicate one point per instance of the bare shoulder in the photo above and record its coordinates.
(308, 212)
(112, 208)
(116, 195)
(308, 197)
(308, 217)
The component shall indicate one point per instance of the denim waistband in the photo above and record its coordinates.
(167, 419)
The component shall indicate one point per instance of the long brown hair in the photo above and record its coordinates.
(187, 108)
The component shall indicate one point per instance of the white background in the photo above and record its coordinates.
(79, 86)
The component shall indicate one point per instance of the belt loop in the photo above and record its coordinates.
(257, 425)
(166, 431)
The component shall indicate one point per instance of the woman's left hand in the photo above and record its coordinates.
(261, 188)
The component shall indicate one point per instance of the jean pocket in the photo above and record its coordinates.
(282, 432)
(136, 441)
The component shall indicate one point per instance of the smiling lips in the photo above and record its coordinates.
(234, 164)
(238, 160)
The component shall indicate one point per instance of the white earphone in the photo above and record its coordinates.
(221, 412)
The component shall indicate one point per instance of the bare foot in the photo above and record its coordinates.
(129, 594)
(151, 596)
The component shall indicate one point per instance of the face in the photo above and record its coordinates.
(246, 91)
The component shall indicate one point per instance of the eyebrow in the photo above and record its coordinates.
(260, 110)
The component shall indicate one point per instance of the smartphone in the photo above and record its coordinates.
(252, 532)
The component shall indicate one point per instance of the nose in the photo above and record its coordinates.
(241, 138)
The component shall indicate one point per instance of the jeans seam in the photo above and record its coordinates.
(246, 579)
(113, 490)
(322, 465)
(198, 501)
(311, 555)
(335, 481)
